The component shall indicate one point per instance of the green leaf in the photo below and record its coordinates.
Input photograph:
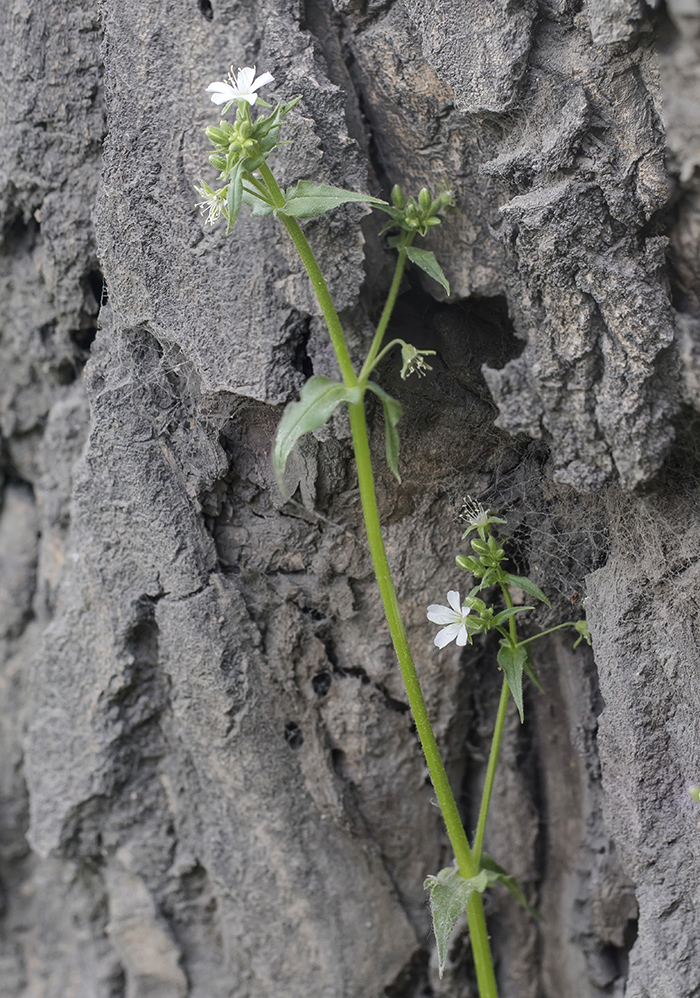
(583, 633)
(530, 670)
(425, 259)
(527, 587)
(308, 200)
(449, 896)
(392, 414)
(496, 874)
(512, 661)
(234, 199)
(319, 397)
(510, 612)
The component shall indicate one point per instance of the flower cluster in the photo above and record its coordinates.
(240, 148)
(415, 216)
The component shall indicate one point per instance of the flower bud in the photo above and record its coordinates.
(245, 129)
(695, 793)
(424, 199)
(218, 161)
(215, 135)
(397, 198)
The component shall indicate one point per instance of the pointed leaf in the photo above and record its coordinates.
(510, 612)
(496, 874)
(527, 587)
(319, 397)
(449, 896)
(425, 259)
(392, 414)
(308, 200)
(512, 661)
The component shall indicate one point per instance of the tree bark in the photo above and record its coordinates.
(210, 786)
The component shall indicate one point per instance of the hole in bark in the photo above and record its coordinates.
(19, 236)
(65, 372)
(300, 332)
(338, 762)
(94, 297)
(321, 683)
(293, 735)
(205, 9)
(98, 286)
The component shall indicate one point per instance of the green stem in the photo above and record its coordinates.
(317, 280)
(491, 770)
(525, 641)
(384, 352)
(386, 312)
(455, 830)
(249, 178)
(495, 741)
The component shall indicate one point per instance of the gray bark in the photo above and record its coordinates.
(210, 785)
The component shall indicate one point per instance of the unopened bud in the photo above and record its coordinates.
(424, 199)
(245, 129)
(397, 198)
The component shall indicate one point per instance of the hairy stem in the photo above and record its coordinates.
(320, 287)
(460, 844)
(466, 863)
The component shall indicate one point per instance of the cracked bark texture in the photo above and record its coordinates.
(209, 781)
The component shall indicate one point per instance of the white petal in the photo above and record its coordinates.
(453, 600)
(262, 81)
(442, 614)
(462, 637)
(251, 98)
(446, 635)
(245, 78)
(219, 87)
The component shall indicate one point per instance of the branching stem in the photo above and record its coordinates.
(468, 867)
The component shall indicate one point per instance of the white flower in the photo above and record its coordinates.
(241, 87)
(412, 361)
(213, 202)
(454, 616)
(478, 518)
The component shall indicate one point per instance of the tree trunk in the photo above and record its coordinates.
(210, 785)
